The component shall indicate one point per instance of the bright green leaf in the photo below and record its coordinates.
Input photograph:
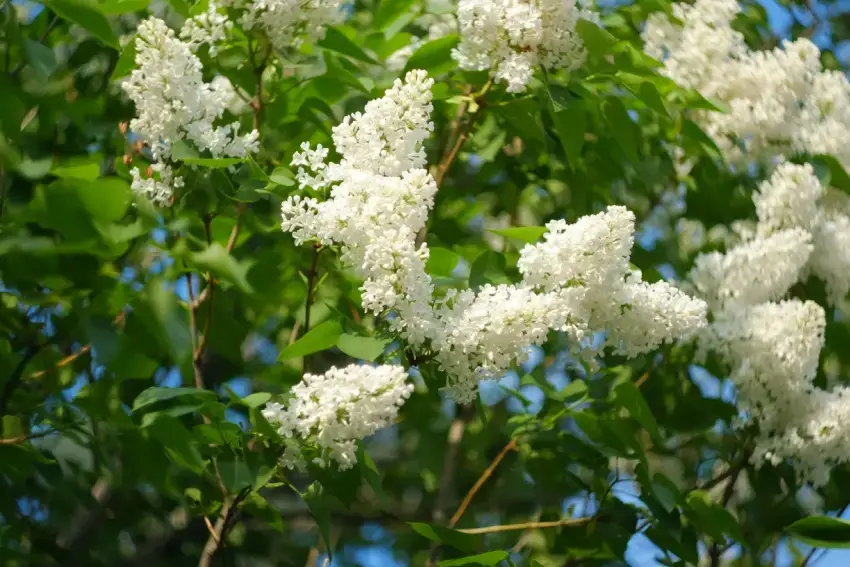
(364, 348)
(321, 337)
(458, 540)
(434, 56)
(86, 15)
(335, 40)
(488, 558)
(442, 262)
(156, 394)
(529, 234)
(218, 261)
(256, 399)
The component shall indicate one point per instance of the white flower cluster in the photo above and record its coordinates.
(779, 102)
(174, 103)
(330, 412)
(577, 280)
(288, 23)
(773, 347)
(510, 37)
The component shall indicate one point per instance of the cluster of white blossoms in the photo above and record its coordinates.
(379, 196)
(288, 23)
(511, 37)
(771, 346)
(174, 103)
(328, 413)
(778, 102)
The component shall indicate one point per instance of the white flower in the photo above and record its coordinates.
(779, 102)
(789, 199)
(332, 411)
(511, 37)
(753, 272)
(210, 28)
(174, 103)
(577, 280)
(288, 23)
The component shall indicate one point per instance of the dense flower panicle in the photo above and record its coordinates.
(289, 23)
(830, 260)
(576, 281)
(332, 411)
(510, 37)
(593, 251)
(779, 102)
(158, 189)
(174, 103)
(789, 199)
(207, 28)
(649, 315)
(756, 271)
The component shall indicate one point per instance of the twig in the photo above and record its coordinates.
(527, 526)
(218, 533)
(488, 472)
(231, 242)
(462, 131)
(639, 382)
(64, 362)
(728, 492)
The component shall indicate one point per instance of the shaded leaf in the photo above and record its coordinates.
(321, 337)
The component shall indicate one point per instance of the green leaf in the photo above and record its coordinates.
(649, 95)
(715, 519)
(117, 7)
(596, 40)
(489, 267)
(156, 394)
(256, 399)
(389, 11)
(838, 176)
(488, 558)
(524, 115)
(88, 171)
(623, 129)
(337, 41)
(86, 15)
(179, 443)
(127, 60)
(321, 337)
(458, 540)
(370, 473)
(319, 507)
(573, 392)
(442, 262)
(571, 123)
(822, 531)
(235, 475)
(627, 395)
(41, 58)
(529, 234)
(220, 263)
(282, 176)
(434, 56)
(364, 348)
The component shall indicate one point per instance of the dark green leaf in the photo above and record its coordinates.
(117, 7)
(571, 122)
(628, 396)
(622, 128)
(179, 443)
(319, 507)
(434, 56)
(838, 176)
(489, 267)
(822, 531)
(235, 475)
(157, 394)
(41, 58)
(458, 540)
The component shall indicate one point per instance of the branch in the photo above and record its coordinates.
(728, 492)
(527, 526)
(231, 242)
(488, 472)
(311, 284)
(218, 533)
(461, 131)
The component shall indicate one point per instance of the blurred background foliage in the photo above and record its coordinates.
(102, 297)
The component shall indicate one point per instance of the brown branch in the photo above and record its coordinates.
(460, 131)
(527, 526)
(639, 382)
(488, 472)
(14, 380)
(728, 492)
(218, 533)
(64, 362)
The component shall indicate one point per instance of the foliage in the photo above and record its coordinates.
(139, 344)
